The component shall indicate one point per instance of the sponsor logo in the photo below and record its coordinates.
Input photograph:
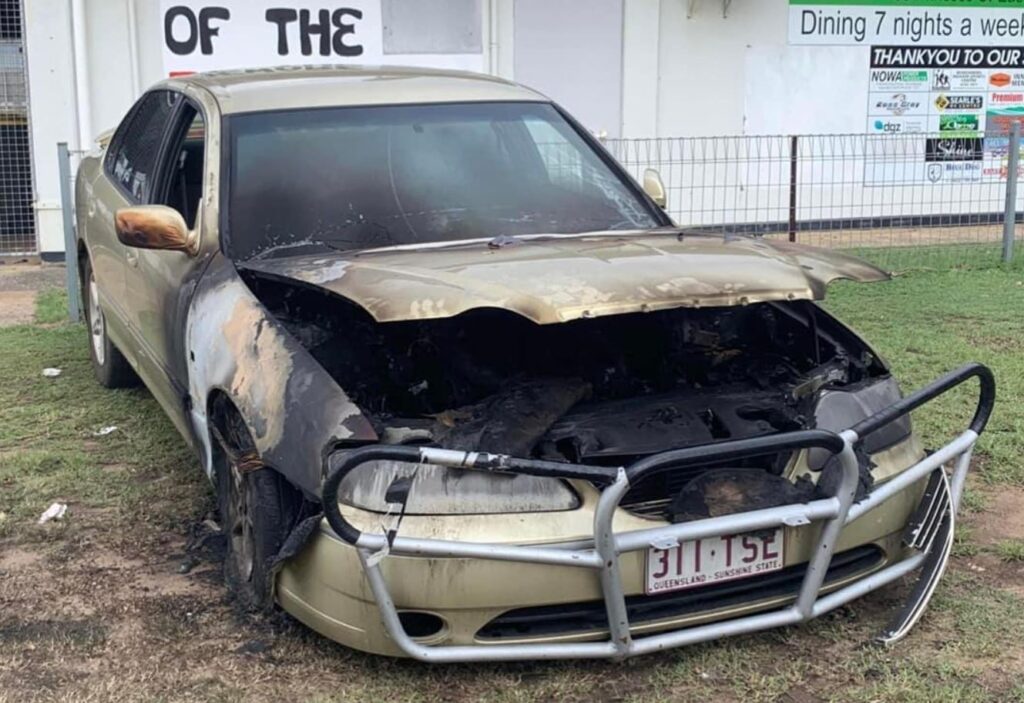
(882, 76)
(1001, 121)
(896, 125)
(959, 102)
(1006, 98)
(954, 172)
(955, 149)
(898, 104)
(940, 81)
(1000, 80)
(958, 123)
(966, 79)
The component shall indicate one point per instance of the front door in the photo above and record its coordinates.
(159, 283)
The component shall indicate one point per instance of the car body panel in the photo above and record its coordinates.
(558, 279)
(332, 86)
(294, 410)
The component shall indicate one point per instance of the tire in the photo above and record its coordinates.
(257, 511)
(109, 366)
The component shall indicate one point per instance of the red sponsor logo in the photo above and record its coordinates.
(1000, 80)
(1007, 98)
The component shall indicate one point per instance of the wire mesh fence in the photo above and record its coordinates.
(899, 200)
(17, 219)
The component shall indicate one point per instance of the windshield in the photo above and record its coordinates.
(365, 177)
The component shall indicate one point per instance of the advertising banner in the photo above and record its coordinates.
(963, 100)
(908, 22)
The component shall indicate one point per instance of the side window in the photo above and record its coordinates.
(184, 169)
(136, 146)
(561, 159)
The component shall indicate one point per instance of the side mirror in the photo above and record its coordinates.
(655, 188)
(155, 227)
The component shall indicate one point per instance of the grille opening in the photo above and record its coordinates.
(420, 625)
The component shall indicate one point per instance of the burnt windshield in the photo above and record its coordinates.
(365, 177)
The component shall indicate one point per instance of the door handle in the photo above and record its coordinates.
(132, 257)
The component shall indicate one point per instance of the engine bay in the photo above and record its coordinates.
(602, 391)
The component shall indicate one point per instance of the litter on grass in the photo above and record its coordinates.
(54, 512)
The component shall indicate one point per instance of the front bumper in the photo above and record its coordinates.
(596, 565)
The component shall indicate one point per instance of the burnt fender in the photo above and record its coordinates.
(294, 410)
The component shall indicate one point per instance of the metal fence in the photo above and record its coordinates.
(902, 201)
(17, 219)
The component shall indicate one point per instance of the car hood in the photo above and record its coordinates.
(561, 278)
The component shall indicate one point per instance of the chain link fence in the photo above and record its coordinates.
(17, 218)
(901, 200)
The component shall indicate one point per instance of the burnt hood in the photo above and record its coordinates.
(557, 279)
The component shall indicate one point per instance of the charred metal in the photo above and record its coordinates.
(603, 391)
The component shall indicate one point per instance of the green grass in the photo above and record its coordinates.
(927, 323)
(52, 306)
(48, 451)
(1011, 550)
(924, 323)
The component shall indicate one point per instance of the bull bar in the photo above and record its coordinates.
(602, 555)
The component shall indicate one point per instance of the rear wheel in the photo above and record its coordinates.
(109, 366)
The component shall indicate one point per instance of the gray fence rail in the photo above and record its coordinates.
(903, 200)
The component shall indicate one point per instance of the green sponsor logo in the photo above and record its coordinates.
(961, 124)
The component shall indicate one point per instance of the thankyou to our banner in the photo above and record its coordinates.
(947, 22)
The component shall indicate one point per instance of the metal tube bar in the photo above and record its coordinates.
(730, 524)
(611, 581)
(865, 585)
(716, 630)
(447, 549)
(956, 484)
(912, 475)
(817, 567)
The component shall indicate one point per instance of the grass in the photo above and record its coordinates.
(137, 491)
(925, 324)
(1011, 550)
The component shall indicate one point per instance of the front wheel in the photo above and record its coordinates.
(257, 508)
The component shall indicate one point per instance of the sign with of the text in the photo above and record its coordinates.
(224, 34)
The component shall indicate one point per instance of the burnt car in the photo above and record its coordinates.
(467, 393)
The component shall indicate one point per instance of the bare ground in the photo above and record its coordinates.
(122, 603)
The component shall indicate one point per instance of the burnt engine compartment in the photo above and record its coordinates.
(601, 391)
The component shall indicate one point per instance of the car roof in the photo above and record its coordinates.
(291, 87)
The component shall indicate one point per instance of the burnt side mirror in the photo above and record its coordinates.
(155, 227)
(654, 187)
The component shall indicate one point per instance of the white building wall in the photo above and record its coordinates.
(678, 76)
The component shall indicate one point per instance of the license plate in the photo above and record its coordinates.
(702, 562)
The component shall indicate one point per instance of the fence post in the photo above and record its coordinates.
(1010, 213)
(794, 142)
(70, 245)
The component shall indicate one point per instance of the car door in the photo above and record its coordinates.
(127, 180)
(159, 282)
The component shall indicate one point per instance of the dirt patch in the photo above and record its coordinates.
(1002, 519)
(31, 277)
(17, 307)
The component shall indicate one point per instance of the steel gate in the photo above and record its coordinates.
(17, 219)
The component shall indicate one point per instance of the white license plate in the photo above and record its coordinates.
(702, 562)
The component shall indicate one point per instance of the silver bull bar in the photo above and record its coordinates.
(834, 512)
